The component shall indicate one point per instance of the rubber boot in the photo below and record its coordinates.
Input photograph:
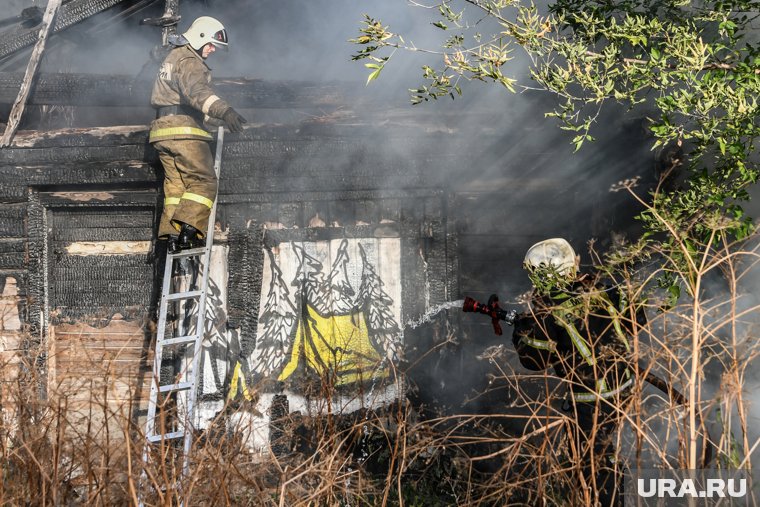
(189, 237)
(172, 243)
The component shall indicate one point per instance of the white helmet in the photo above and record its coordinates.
(555, 253)
(206, 30)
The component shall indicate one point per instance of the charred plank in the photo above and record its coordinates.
(109, 90)
(70, 14)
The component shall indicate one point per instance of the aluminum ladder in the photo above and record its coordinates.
(186, 334)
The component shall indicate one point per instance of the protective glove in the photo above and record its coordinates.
(233, 120)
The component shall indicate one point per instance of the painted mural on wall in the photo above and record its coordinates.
(337, 321)
(329, 317)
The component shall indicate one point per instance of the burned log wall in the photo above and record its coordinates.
(79, 215)
(77, 211)
(80, 208)
(70, 13)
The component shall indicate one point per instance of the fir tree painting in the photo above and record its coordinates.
(339, 337)
(276, 322)
(384, 331)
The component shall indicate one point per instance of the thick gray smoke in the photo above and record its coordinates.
(545, 190)
(14, 7)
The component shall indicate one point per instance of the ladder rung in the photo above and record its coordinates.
(167, 436)
(184, 295)
(181, 386)
(190, 252)
(179, 340)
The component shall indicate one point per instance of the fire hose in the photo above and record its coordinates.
(498, 314)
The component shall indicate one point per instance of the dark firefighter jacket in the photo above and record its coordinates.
(583, 333)
(184, 80)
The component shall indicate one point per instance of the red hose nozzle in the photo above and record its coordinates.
(492, 309)
(470, 305)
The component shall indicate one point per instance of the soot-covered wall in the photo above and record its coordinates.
(79, 223)
(390, 213)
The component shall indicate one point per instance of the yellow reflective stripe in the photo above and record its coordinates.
(618, 329)
(198, 198)
(578, 341)
(171, 201)
(589, 397)
(178, 131)
(539, 344)
(615, 316)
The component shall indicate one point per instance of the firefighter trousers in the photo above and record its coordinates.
(189, 184)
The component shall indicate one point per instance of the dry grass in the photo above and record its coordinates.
(61, 446)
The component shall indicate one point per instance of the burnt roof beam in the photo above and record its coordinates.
(69, 14)
(119, 91)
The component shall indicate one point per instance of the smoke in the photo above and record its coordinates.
(520, 182)
(745, 331)
(14, 7)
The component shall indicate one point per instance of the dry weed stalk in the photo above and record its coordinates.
(63, 445)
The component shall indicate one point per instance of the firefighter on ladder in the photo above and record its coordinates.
(185, 102)
(582, 331)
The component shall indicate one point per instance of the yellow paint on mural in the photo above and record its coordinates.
(338, 345)
(238, 376)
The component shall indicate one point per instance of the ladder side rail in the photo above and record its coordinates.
(201, 320)
(186, 285)
(158, 353)
(150, 424)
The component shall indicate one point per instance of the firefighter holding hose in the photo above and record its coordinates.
(583, 332)
(185, 102)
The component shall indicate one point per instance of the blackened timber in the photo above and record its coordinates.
(103, 144)
(69, 174)
(13, 253)
(387, 208)
(452, 249)
(414, 287)
(14, 119)
(96, 137)
(246, 266)
(112, 91)
(104, 197)
(54, 157)
(69, 14)
(262, 140)
(36, 264)
(325, 183)
(12, 216)
(171, 11)
(431, 239)
(289, 214)
(109, 271)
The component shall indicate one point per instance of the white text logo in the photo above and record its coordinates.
(714, 488)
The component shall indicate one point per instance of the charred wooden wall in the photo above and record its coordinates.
(79, 211)
(60, 209)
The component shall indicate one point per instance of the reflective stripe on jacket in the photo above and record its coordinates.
(160, 133)
(584, 336)
(184, 79)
